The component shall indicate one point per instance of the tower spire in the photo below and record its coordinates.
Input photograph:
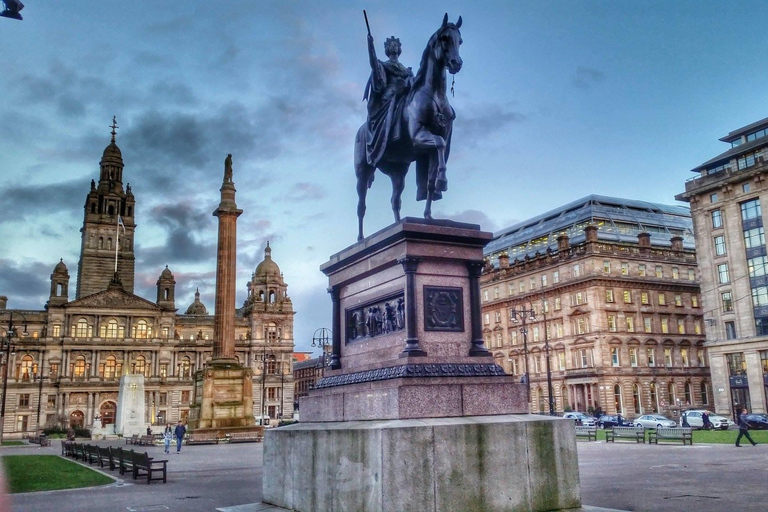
(114, 127)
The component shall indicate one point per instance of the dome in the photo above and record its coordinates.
(112, 154)
(197, 307)
(60, 267)
(267, 267)
(166, 274)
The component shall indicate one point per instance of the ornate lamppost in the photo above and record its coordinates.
(8, 351)
(550, 394)
(518, 314)
(322, 338)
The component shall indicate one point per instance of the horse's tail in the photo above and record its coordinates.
(363, 170)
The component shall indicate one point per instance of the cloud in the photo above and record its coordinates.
(474, 217)
(26, 284)
(586, 77)
(19, 202)
(187, 233)
(304, 191)
(479, 121)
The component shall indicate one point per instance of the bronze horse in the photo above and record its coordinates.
(428, 120)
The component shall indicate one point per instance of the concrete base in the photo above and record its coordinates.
(223, 397)
(463, 464)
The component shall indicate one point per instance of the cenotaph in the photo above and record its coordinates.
(130, 406)
(414, 414)
(223, 392)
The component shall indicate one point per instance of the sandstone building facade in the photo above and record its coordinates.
(727, 197)
(613, 287)
(68, 358)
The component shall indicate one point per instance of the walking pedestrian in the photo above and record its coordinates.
(179, 432)
(706, 424)
(167, 437)
(744, 429)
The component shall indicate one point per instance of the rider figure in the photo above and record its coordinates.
(389, 83)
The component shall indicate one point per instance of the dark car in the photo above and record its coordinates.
(757, 421)
(610, 421)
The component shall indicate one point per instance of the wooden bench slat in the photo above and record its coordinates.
(683, 434)
(589, 432)
(638, 434)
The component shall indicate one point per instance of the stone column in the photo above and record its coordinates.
(335, 329)
(226, 267)
(478, 348)
(412, 347)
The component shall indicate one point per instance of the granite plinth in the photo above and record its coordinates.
(223, 398)
(496, 463)
(129, 419)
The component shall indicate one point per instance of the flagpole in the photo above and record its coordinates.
(117, 240)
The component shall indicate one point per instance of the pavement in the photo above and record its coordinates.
(620, 476)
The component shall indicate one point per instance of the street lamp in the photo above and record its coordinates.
(550, 394)
(322, 338)
(264, 382)
(517, 313)
(8, 349)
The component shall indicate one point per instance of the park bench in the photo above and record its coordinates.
(42, 440)
(67, 448)
(80, 452)
(144, 464)
(146, 440)
(134, 439)
(246, 437)
(589, 432)
(125, 458)
(106, 457)
(638, 434)
(202, 438)
(671, 434)
(92, 454)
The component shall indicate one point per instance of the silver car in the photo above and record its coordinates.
(654, 421)
(581, 419)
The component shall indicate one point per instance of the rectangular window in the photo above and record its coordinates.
(51, 401)
(694, 301)
(24, 400)
(513, 337)
(533, 283)
(543, 280)
(754, 237)
(713, 198)
(607, 266)
(727, 300)
(56, 331)
(720, 245)
(545, 305)
(678, 300)
(612, 323)
(730, 330)
(662, 299)
(163, 399)
(700, 357)
(498, 316)
(691, 274)
(486, 319)
(54, 371)
(641, 270)
(667, 357)
(625, 269)
(750, 209)
(760, 296)
(630, 324)
(615, 356)
(558, 306)
(609, 295)
(675, 273)
(511, 289)
(651, 355)
(576, 270)
(485, 295)
(536, 334)
(556, 276)
(633, 357)
(644, 298)
(757, 266)
(684, 357)
(647, 324)
(166, 333)
(659, 271)
(581, 326)
(627, 297)
(736, 364)
(717, 219)
(496, 292)
(584, 358)
(559, 330)
(577, 299)
(521, 287)
(561, 361)
(697, 326)
(680, 326)
(665, 325)
(163, 370)
(722, 273)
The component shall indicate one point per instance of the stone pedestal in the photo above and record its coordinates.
(130, 406)
(223, 398)
(488, 463)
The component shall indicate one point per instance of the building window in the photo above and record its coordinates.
(558, 305)
(163, 370)
(627, 297)
(727, 300)
(561, 361)
(678, 300)
(583, 358)
(487, 319)
(609, 295)
(496, 292)
(633, 357)
(704, 394)
(612, 323)
(630, 324)
(644, 298)
(607, 266)
(667, 357)
(582, 326)
(617, 402)
(636, 398)
(109, 330)
(543, 280)
(730, 331)
(701, 358)
(697, 326)
(184, 397)
(720, 245)
(51, 401)
(485, 295)
(521, 287)
(578, 299)
(21, 423)
(750, 209)
(56, 331)
(559, 330)
(757, 266)
(736, 364)
(651, 356)
(141, 330)
(754, 238)
(615, 356)
(140, 367)
(717, 219)
(556, 276)
(654, 398)
(533, 283)
(659, 271)
(722, 273)
(24, 400)
(498, 317)
(625, 269)
(675, 273)
(647, 324)
(688, 397)
(536, 334)
(576, 270)
(760, 296)
(684, 356)
(511, 289)
(641, 270)
(694, 301)
(671, 393)
(665, 325)
(79, 367)
(662, 299)
(82, 329)
(691, 274)
(110, 368)
(713, 198)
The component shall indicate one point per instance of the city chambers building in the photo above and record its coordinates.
(608, 288)
(67, 359)
(726, 197)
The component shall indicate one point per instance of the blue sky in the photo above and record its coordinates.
(556, 100)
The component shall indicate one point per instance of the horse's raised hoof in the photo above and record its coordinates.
(360, 237)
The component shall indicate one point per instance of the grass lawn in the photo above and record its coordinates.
(13, 443)
(28, 473)
(714, 436)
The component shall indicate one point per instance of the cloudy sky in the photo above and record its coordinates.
(556, 100)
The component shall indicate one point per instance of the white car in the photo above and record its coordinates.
(695, 419)
(654, 421)
(581, 419)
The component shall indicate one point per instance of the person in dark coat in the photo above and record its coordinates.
(744, 429)
(706, 424)
(179, 432)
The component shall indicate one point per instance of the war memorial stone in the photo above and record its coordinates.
(414, 414)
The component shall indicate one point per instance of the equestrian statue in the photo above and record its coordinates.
(409, 120)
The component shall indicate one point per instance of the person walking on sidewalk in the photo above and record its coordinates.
(744, 429)
(167, 437)
(179, 432)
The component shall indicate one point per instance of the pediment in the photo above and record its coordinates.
(115, 298)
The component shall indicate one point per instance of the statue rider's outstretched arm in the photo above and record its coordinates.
(378, 75)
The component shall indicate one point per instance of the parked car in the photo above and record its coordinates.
(654, 421)
(757, 421)
(695, 419)
(581, 418)
(611, 420)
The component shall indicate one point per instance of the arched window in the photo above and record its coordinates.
(76, 419)
(166, 293)
(617, 400)
(671, 393)
(109, 243)
(141, 330)
(111, 208)
(59, 289)
(101, 242)
(688, 397)
(111, 329)
(185, 368)
(93, 207)
(79, 367)
(261, 296)
(271, 296)
(542, 402)
(141, 366)
(704, 394)
(110, 368)
(107, 413)
(654, 398)
(636, 398)
(82, 329)
(130, 211)
(26, 369)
